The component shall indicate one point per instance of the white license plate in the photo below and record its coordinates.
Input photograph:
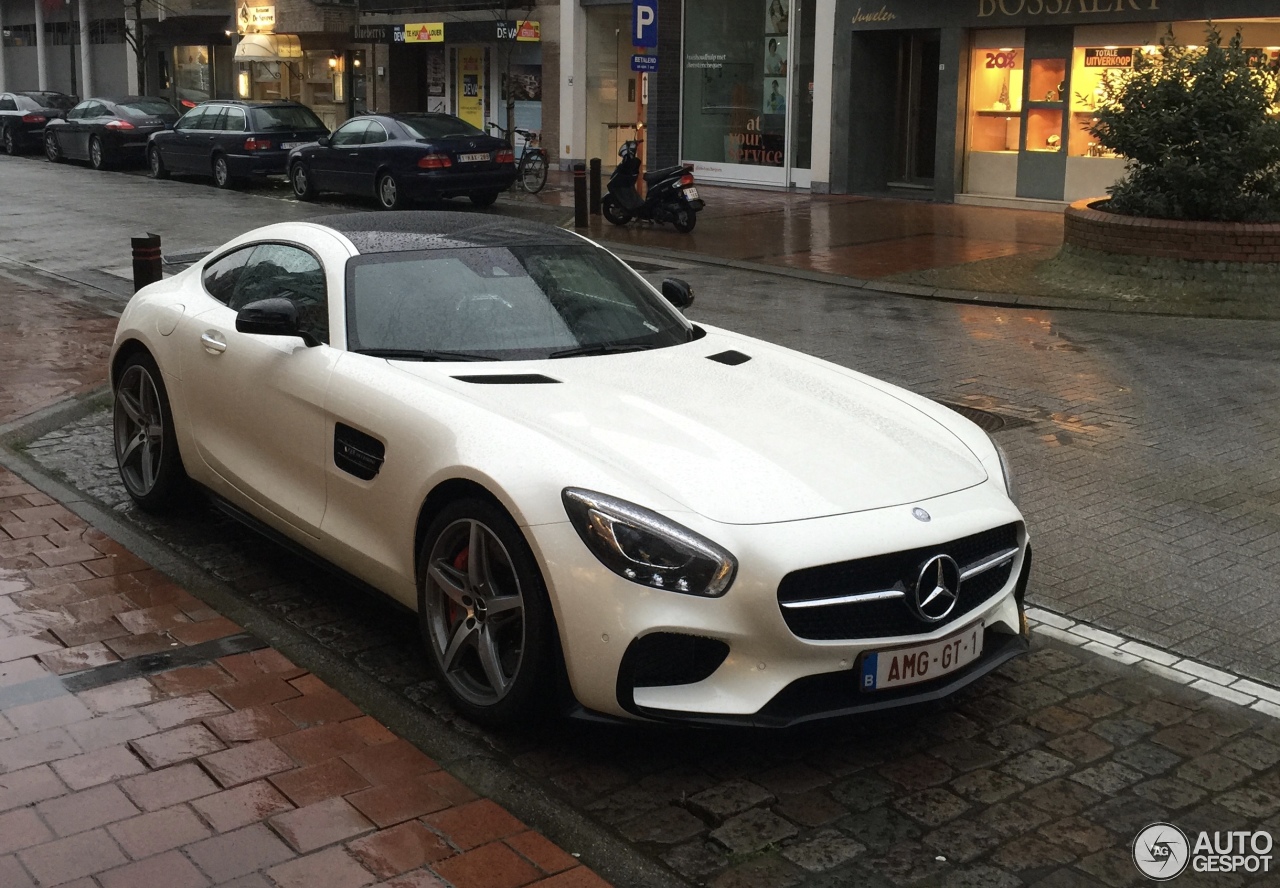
(691, 193)
(289, 146)
(473, 158)
(908, 665)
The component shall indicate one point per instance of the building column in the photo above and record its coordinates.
(42, 49)
(4, 84)
(86, 55)
(823, 93)
(130, 55)
(573, 84)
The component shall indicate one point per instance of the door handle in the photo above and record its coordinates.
(213, 342)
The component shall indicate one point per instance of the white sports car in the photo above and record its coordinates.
(586, 498)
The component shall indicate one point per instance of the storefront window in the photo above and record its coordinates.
(736, 83)
(996, 69)
(192, 76)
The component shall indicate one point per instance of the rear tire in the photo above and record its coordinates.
(97, 154)
(300, 179)
(389, 193)
(684, 219)
(10, 142)
(533, 173)
(484, 198)
(146, 446)
(155, 164)
(613, 211)
(222, 173)
(51, 148)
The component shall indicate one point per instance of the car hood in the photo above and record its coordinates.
(781, 437)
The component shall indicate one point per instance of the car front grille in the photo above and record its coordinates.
(890, 617)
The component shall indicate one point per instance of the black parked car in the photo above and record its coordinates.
(24, 114)
(107, 131)
(399, 157)
(231, 140)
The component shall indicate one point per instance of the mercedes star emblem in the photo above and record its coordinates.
(938, 589)
(921, 515)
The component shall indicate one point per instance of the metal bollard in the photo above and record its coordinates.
(580, 195)
(147, 266)
(595, 186)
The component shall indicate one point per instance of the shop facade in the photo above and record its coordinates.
(990, 101)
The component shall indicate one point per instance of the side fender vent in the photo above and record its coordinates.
(508, 379)
(732, 358)
(357, 453)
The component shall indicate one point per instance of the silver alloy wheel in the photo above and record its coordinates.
(475, 612)
(156, 164)
(299, 180)
(51, 149)
(221, 175)
(95, 152)
(10, 146)
(139, 431)
(387, 191)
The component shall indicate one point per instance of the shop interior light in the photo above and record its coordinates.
(242, 84)
(356, 62)
(333, 61)
(1006, 49)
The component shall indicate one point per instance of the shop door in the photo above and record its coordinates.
(917, 117)
(473, 85)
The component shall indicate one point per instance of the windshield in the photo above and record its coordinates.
(504, 303)
(149, 108)
(50, 100)
(280, 118)
(438, 126)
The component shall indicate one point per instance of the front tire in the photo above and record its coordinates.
(222, 173)
(97, 154)
(613, 211)
(52, 149)
(300, 179)
(485, 616)
(390, 194)
(145, 443)
(155, 164)
(484, 198)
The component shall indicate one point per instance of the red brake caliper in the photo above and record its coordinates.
(460, 562)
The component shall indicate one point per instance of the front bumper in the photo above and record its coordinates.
(763, 673)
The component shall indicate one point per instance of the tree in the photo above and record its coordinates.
(138, 39)
(1198, 126)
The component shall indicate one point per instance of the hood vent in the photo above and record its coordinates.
(732, 358)
(508, 379)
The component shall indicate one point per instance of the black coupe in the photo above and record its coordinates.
(106, 131)
(24, 114)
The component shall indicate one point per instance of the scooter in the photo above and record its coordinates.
(671, 195)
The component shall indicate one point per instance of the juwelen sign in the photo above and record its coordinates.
(644, 23)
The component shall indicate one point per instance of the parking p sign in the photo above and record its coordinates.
(644, 23)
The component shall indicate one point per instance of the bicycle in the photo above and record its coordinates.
(531, 171)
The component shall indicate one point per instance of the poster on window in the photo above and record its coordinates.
(471, 80)
(775, 57)
(435, 74)
(776, 16)
(526, 83)
(775, 95)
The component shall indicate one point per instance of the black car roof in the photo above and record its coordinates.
(436, 230)
(255, 103)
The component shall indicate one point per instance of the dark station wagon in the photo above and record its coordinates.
(232, 140)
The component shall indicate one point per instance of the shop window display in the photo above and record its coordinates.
(996, 83)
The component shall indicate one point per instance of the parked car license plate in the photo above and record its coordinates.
(909, 665)
(473, 158)
(289, 146)
(691, 193)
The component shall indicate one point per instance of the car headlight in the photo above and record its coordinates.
(1009, 486)
(646, 548)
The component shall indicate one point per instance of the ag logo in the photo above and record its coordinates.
(1161, 851)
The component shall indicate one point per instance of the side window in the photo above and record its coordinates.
(350, 134)
(95, 109)
(233, 120)
(375, 134)
(190, 120)
(213, 118)
(281, 270)
(8, 104)
(77, 112)
(220, 277)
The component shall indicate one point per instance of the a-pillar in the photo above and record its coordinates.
(86, 54)
(42, 49)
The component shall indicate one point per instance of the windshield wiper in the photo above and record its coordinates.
(608, 348)
(412, 354)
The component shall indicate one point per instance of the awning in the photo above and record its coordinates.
(268, 48)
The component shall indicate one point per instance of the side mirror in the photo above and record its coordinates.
(324, 141)
(678, 293)
(271, 317)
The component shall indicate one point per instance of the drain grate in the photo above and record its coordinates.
(986, 420)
